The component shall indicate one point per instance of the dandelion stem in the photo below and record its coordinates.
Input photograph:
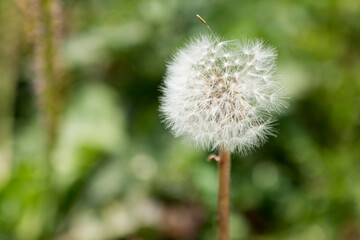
(224, 194)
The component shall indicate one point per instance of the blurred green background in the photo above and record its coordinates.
(115, 172)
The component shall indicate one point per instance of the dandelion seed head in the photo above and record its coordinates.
(222, 93)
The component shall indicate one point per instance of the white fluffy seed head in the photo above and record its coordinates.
(222, 93)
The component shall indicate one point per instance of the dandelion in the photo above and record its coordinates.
(222, 95)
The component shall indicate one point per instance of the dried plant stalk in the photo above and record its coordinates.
(47, 18)
(48, 21)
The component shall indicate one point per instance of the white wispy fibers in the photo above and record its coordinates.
(222, 94)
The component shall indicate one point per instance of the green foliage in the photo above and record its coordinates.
(119, 174)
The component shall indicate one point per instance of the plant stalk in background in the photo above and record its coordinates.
(222, 95)
(47, 22)
(10, 38)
